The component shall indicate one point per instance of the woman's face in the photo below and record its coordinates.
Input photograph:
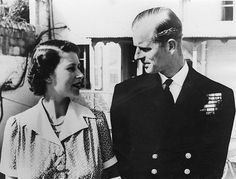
(67, 77)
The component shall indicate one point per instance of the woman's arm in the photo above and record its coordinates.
(8, 164)
(110, 170)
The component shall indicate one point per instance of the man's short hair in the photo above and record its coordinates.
(167, 26)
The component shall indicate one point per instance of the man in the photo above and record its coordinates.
(175, 129)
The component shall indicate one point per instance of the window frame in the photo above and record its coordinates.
(226, 15)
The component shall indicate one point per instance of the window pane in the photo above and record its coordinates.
(112, 65)
(84, 64)
(98, 65)
(227, 2)
(227, 13)
(227, 10)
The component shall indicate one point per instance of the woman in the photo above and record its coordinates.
(57, 138)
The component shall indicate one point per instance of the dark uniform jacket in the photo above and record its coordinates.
(188, 140)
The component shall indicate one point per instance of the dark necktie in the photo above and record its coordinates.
(168, 95)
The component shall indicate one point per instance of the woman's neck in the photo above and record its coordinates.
(56, 108)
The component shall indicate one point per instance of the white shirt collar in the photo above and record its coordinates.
(179, 77)
(36, 119)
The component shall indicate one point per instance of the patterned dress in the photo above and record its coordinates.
(31, 149)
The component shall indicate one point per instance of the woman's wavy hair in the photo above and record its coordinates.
(45, 58)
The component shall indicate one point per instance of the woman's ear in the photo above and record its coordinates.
(172, 45)
(48, 80)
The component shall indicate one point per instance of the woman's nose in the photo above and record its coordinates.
(79, 74)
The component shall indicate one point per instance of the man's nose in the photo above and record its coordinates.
(138, 54)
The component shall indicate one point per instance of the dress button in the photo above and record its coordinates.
(187, 171)
(60, 167)
(59, 152)
(154, 156)
(154, 171)
(188, 155)
(63, 175)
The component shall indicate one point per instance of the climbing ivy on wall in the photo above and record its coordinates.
(19, 11)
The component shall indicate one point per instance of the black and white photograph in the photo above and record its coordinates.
(117, 89)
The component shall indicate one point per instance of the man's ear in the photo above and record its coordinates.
(172, 45)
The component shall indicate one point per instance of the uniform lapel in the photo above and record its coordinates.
(158, 93)
(189, 87)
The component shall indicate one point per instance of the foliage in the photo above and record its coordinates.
(19, 11)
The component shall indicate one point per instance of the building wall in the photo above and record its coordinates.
(221, 64)
(15, 39)
(39, 14)
(203, 19)
(103, 18)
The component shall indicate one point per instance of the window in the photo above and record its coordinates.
(85, 66)
(227, 11)
(107, 65)
(113, 62)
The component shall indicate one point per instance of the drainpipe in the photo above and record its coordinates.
(204, 58)
(195, 55)
(181, 9)
(51, 34)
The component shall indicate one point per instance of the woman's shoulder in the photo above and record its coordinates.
(101, 119)
(20, 119)
(14, 124)
(97, 113)
(88, 111)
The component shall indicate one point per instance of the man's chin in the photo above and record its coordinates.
(148, 70)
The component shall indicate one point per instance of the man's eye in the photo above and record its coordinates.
(145, 49)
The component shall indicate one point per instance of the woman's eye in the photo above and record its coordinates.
(80, 67)
(71, 69)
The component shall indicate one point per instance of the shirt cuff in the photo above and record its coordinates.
(109, 163)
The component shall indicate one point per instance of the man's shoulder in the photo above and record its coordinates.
(138, 82)
(31, 111)
(207, 83)
(130, 88)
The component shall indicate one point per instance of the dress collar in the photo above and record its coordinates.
(36, 119)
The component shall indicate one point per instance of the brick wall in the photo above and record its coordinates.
(14, 40)
(15, 37)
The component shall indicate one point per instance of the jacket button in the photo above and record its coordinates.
(187, 171)
(188, 155)
(154, 171)
(154, 156)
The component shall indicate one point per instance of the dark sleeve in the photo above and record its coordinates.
(220, 136)
(227, 117)
(120, 130)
